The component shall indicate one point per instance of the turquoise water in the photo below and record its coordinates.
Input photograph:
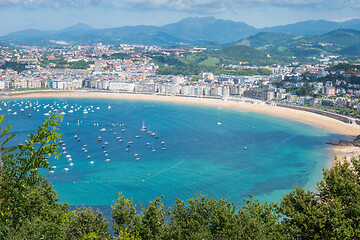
(201, 155)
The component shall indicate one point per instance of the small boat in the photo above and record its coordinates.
(51, 171)
(14, 113)
(21, 110)
(70, 159)
(91, 162)
(66, 169)
(106, 154)
(68, 156)
(137, 159)
(219, 123)
(83, 149)
(78, 139)
(137, 136)
(29, 115)
(106, 143)
(107, 160)
(84, 145)
(153, 150)
(75, 136)
(71, 164)
(70, 111)
(99, 139)
(143, 127)
(88, 157)
(245, 148)
(103, 130)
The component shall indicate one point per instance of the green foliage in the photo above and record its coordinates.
(85, 223)
(62, 64)
(149, 224)
(343, 66)
(18, 67)
(304, 90)
(331, 213)
(29, 207)
(195, 79)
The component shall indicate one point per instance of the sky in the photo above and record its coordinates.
(18, 15)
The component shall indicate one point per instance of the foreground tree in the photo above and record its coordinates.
(29, 207)
(333, 212)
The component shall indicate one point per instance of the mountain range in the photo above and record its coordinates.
(193, 30)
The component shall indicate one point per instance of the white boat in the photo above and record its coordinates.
(70, 159)
(143, 127)
(70, 111)
(68, 156)
(71, 164)
(107, 160)
(14, 113)
(97, 108)
(51, 171)
(103, 130)
(106, 143)
(219, 123)
(66, 169)
(46, 114)
(91, 162)
(88, 157)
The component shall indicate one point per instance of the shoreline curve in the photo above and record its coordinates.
(321, 121)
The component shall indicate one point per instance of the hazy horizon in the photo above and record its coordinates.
(52, 14)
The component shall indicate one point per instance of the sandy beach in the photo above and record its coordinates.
(330, 124)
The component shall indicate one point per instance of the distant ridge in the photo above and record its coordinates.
(192, 30)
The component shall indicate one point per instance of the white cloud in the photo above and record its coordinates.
(35, 4)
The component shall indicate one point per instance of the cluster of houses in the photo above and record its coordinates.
(138, 75)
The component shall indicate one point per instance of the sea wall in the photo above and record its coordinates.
(336, 116)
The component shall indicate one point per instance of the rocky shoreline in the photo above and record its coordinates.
(344, 143)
